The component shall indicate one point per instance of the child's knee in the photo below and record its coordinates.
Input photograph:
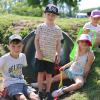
(33, 96)
(80, 84)
(41, 74)
(48, 76)
(20, 97)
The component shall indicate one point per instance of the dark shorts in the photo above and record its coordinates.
(44, 66)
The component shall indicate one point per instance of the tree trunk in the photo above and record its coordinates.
(55, 2)
(70, 10)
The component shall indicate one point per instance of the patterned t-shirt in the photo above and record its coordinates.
(91, 27)
(48, 36)
(11, 69)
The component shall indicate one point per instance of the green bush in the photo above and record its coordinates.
(10, 24)
(25, 10)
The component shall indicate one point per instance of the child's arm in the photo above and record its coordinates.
(58, 48)
(88, 64)
(37, 47)
(66, 66)
(86, 31)
(25, 60)
(2, 62)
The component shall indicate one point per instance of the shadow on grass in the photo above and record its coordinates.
(92, 87)
(90, 90)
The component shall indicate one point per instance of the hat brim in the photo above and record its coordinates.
(51, 12)
(15, 39)
(95, 16)
(87, 41)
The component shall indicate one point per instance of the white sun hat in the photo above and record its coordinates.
(86, 38)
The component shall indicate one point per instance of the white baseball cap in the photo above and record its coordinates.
(95, 13)
(14, 37)
(86, 38)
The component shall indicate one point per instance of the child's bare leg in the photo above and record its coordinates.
(33, 96)
(40, 80)
(20, 97)
(78, 84)
(56, 78)
(48, 82)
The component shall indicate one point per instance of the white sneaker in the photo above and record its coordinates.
(34, 85)
(58, 92)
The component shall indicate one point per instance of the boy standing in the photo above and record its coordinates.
(11, 65)
(47, 44)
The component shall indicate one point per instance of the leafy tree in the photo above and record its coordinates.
(6, 5)
(71, 4)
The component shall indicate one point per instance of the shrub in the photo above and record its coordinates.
(21, 8)
(10, 24)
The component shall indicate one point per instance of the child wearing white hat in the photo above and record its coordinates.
(77, 69)
(11, 65)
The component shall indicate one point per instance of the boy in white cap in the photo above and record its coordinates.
(11, 65)
(47, 43)
(94, 25)
(79, 68)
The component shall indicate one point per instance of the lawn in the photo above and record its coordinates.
(12, 23)
(91, 90)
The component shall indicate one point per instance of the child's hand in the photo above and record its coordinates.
(86, 31)
(62, 68)
(39, 55)
(57, 59)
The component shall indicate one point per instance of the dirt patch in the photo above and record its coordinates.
(20, 25)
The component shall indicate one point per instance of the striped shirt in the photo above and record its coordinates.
(48, 36)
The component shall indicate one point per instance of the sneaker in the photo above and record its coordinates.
(41, 96)
(34, 85)
(49, 96)
(58, 92)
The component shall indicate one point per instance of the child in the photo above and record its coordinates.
(79, 68)
(11, 65)
(94, 25)
(47, 43)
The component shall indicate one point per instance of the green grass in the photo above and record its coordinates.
(68, 25)
(91, 90)
(64, 23)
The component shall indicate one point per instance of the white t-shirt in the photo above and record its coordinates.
(91, 27)
(11, 69)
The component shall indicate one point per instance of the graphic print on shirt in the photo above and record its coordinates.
(15, 71)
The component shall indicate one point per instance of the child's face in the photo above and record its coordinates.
(15, 49)
(50, 17)
(95, 20)
(83, 45)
